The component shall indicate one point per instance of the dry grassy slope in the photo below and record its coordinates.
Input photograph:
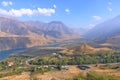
(17, 77)
(63, 74)
(84, 49)
(21, 42)
(106, 44)
(57, 75)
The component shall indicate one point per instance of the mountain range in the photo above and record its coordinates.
(17, 34)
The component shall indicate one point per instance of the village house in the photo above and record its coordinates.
(65, 67)
(26, 73)
(10, 63)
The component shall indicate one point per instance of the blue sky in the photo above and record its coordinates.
(74, 13)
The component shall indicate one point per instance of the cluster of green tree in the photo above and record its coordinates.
(12, 71)
(19, 66)
(18, 60)
(19, 56)
(94, 76)
(99, 57)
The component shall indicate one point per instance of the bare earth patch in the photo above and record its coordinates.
(109, 72)
(16, 77)
(60, 75)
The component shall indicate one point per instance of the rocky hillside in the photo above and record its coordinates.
(16, 34)
(84, 49)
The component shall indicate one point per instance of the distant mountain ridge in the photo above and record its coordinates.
(107, 32)
(31, 33)
(16, 27)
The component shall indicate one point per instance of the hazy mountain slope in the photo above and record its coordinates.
(105, 30)
(15, 33)
(53, 29)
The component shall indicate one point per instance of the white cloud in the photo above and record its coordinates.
(97, 17)
(110, 3)
(110, 9)
(54, 6)
(5, 3)
(67, 10)
(28, 12)
(44, 11)
(90, 26)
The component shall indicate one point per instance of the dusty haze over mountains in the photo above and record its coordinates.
(17, 34)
